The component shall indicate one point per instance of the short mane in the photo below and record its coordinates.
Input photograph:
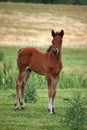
(48, 50)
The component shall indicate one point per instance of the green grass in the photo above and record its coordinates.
(75, 59)
(36, 116)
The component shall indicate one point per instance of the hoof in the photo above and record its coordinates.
(23, 108)
(16, 109)
(51, 113)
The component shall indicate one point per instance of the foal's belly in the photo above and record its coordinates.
(38, 70)
(37, 67)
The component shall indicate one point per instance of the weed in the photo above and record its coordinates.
(7, 79)
(75, 116)
(30, 93)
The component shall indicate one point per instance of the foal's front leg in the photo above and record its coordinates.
(55, 81)
(50, 93)
(52, 84)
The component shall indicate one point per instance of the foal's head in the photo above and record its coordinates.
(56, 42)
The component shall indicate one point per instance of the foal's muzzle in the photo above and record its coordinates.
(55, 52)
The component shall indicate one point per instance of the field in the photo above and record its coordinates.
(30, 24)
(73, 80)
(21, 26)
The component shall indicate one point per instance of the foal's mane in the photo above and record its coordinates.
(48, 50)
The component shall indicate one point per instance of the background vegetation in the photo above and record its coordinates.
(76, 2)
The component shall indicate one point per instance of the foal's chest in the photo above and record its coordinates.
(55, 69)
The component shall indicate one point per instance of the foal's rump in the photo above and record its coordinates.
(31, 58)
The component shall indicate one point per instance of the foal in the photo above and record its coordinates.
(48, 64)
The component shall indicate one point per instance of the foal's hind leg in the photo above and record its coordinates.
(26, 75)
(18, 86)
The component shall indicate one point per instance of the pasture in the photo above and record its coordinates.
(73, 80)
(21, 26)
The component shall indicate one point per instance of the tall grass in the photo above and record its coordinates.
(73, 79)
(7, 76)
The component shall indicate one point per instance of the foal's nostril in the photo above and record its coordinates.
(55, 52)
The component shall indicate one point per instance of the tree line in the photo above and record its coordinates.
(75, 2)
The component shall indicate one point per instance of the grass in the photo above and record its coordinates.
(36, 116)
(77, 58)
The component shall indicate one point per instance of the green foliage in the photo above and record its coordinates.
(35, 82)
(7, 79)
(30, 93)
(75, 116)
(79, 2)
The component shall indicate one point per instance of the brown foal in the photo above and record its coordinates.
(48, 64)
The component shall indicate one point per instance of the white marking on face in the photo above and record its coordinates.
(57, 50)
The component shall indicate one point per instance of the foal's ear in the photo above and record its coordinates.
(53, 33)
(62, 33)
